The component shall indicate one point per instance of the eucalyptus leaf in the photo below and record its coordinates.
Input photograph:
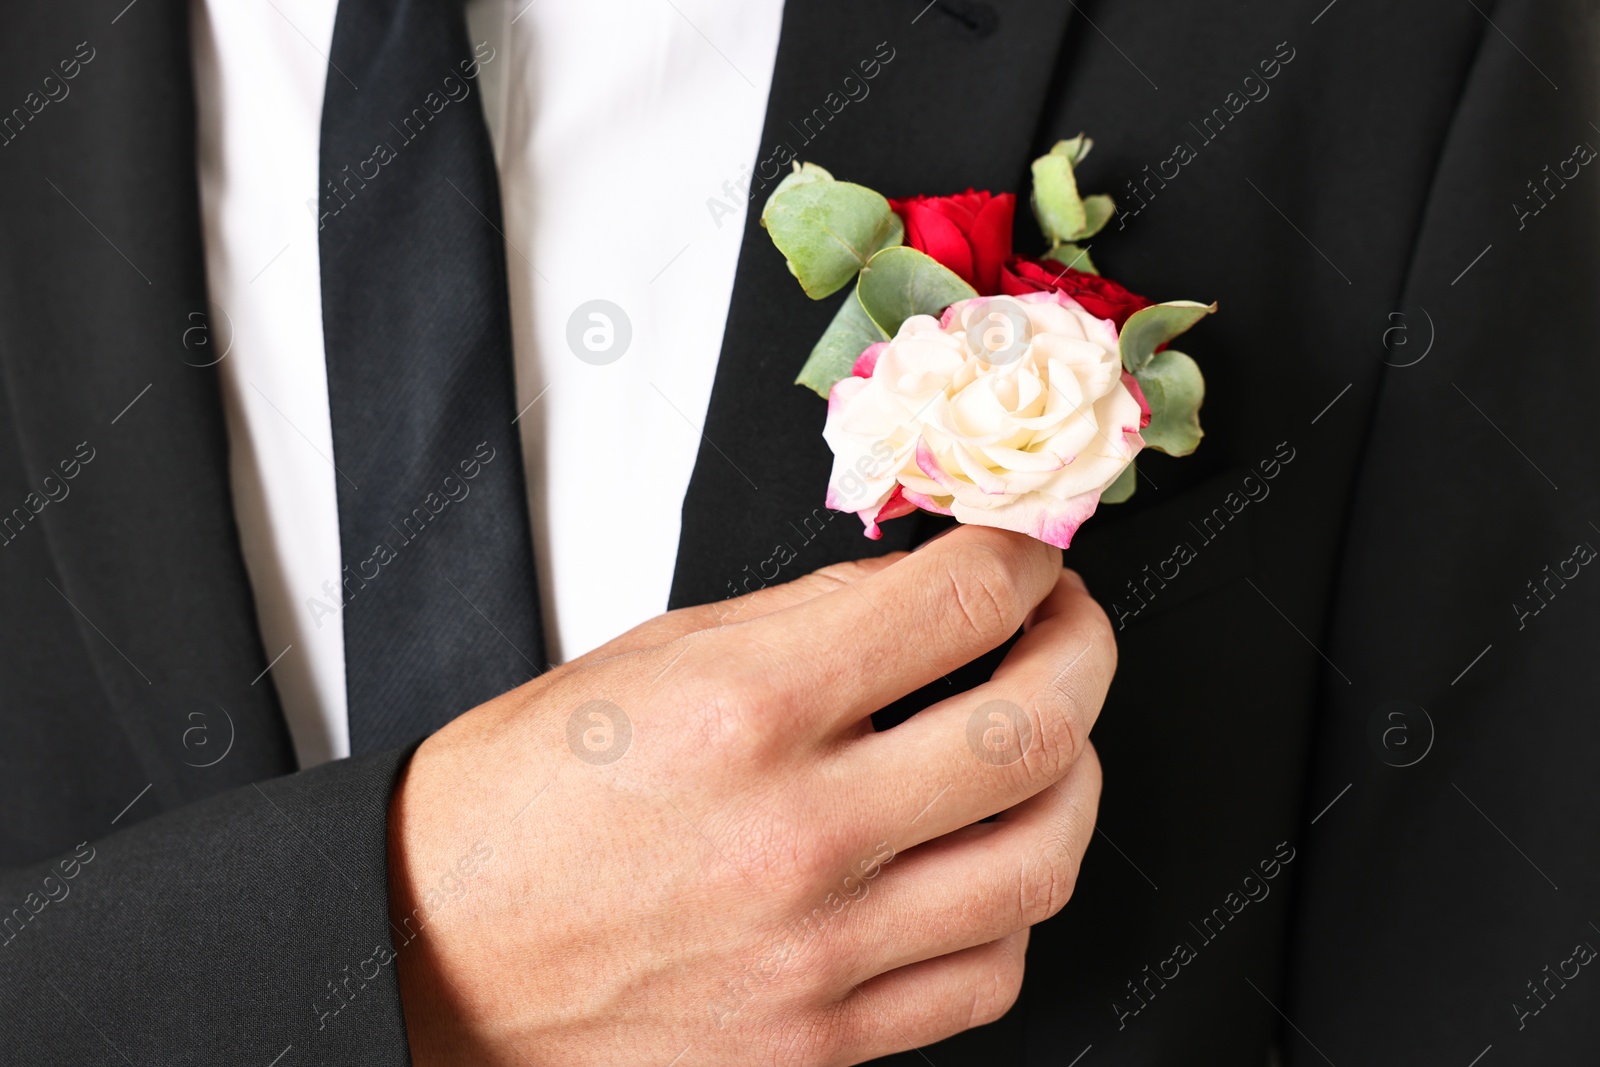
(828, 229)
(1174, 389)
(1070, 255)
(1097, 211)
(1076, 149)
(1150, 328)
(1122, 488)
(846, 337)
(1056, 203)
(802, 174)
(901, 282)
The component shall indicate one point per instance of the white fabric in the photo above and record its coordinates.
(625, 131)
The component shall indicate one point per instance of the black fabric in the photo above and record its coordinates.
(1472, 534)
(433, 520)
(127, 603)
(133, 680)
(1387, 561)
(1393, 542)
(243, 928)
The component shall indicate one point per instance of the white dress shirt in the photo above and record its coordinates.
(624, 131)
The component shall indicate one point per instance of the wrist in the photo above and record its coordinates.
(419, 962)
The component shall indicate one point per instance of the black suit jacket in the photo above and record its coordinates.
(1349, 812)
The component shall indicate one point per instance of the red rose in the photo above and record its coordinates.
(1100, 297)
(970, 233)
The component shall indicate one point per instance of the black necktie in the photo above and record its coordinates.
(440, 610)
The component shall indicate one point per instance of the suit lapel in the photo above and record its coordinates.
(103, 352)
(953, 101)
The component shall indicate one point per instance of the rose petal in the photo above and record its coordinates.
(1037, 515)
(928, 464)
(926, 502)
(991, 241)
(929, 231)
(896, 506)
(1132, 384)
(867, 361)
(1027, 445)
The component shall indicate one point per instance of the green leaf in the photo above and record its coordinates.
(1174, 389)
(1076, 149)
(828, 229)
(835, 354)
(1149, 329)
(1097, 211)
(1122, 488)
(901, 282)
(1070, 255)
(1055, 198)
(801, 175)
(1063, 214)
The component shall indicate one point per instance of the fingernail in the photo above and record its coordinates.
(1074, 578)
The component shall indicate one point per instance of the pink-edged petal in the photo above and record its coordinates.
(925, 502)
(928, 464)
(1039, 515)
(842, 392)
(869, 520)
(833, 500)
(867, 361)
(1057, 525)
(1050, 296)
(1103, 331)
(1132, 385)
(893, 508)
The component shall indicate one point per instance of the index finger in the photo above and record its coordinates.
(980, 752)
(682, 622)
(840, 657)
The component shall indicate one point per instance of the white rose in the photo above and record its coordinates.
(1012, 412)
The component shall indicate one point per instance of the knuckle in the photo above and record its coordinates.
(1063, 710)
(813, 968)
(1059, 728)
(720, 693)
(1046, 881)
(996, 990)
(718, 717)
(981, 586)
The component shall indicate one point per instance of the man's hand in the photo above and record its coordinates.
(691, 843)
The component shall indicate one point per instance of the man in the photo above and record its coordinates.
(1343, 781)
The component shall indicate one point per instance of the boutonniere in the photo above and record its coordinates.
(964, 380)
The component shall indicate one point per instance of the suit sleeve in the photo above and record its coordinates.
(1459, 873)
(250, 928)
